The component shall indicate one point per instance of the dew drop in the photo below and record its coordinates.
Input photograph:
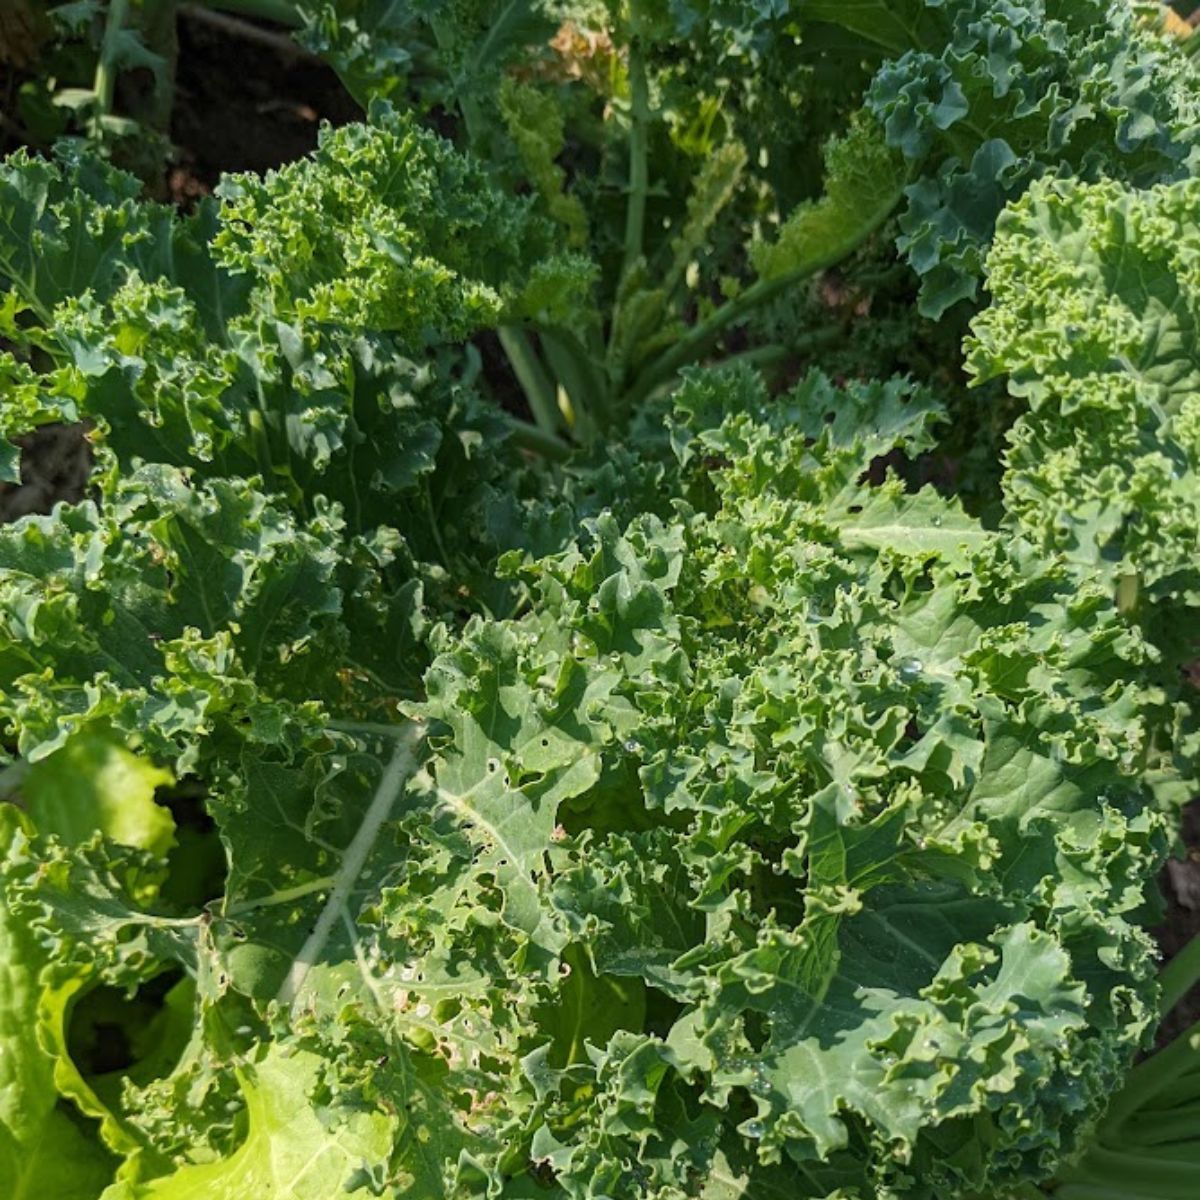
(910, 668)
(755, 1129)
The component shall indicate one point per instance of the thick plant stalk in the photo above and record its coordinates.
(639, 171)
(106, 73)
(535, 383)
(1180, 975)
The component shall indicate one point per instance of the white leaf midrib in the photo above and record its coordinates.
(386, 794)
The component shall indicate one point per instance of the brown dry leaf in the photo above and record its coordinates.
(579, 55)
(838, 294)
(1176, 25)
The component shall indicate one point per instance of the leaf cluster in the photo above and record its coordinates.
(467, 748)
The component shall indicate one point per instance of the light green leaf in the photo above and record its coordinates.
(295, 1147)
(95, 785)
(45, 1150)
(864, 182)
(918, 523)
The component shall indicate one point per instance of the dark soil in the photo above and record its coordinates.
(55, 462)
(1181, 888)
(241, 105)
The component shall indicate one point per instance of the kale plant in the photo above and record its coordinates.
(506, 723)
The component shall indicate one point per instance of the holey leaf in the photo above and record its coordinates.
(304, 859)
(838, 781)
(673, 801)
(786, 840)
(292, 1149)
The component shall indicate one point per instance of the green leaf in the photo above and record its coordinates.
(93, 784)
(864, 181)
(912, 523)
(1094, 325)
(45, 1149)
(421, 227)
(293, 1146)
(985, 99)
(535, 122)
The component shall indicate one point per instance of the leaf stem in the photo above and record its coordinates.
(1179, 976)
(370, 728)
(282, 12)
(704, 333)
(1130, 1175)
(1164, 1127)
(106, 73)
(537, 441)
(403, 762)
(283, 896)
(1153, 1076)
(261, 443)
(667, 365)
(235, 25)
(639, 142)
(535, 383)
(777, 352)
(569, 361)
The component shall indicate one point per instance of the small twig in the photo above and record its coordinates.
(248, 32)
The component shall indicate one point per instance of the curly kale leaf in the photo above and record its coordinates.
(986, 98)
(827, 762)
(1093, 323)
(41, 1148)
(864, 181)
(240, 351)
(1093, 326)
(761, 853)
(426, 245)
(159, 613)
